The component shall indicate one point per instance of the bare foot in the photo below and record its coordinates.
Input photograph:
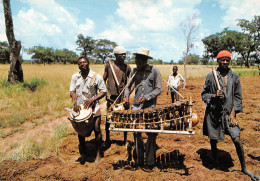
(97, 160)
(252, 176)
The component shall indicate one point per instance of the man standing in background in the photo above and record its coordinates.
(175, 80)
(115, 77)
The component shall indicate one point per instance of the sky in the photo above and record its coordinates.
(152, 24)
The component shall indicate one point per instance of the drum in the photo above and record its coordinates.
(84, 114)
(83, 124)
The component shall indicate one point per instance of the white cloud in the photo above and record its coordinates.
(239, 9)
(87, 28)
(151, 24)
(48, 24)
(2, 24)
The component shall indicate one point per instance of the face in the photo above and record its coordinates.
(120, 57)
(140, 61)
(83, 64)
(224, 62)
(174, 70)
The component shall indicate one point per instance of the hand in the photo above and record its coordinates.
(232, 118)
(87, 103)
(126, 99)
(77, 109)
(108, 95)
(74, 97)
(220, 93)
(232, 121)
(141, 100)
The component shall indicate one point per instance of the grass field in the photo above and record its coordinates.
(19, 104)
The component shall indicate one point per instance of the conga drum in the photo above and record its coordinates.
(83, 124)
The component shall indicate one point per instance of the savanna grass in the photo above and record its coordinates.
(46, 90)
(30, 148)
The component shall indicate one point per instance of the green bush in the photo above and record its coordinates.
(35, 82)
(32, 85)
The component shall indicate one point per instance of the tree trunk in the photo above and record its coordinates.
(15, 73)
(246, 61)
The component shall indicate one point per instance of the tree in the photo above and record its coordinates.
(193, 59)
(252, 32)
(189, 27)
(102, 49)
(65, 56)
(4, 52)
(129, 59)
(15, 73)
(85, 44)
(41, 54)
(245, 43)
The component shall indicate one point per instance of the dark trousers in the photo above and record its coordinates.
(98, 137)
(148, 153)
(174, 94)
(107, 125)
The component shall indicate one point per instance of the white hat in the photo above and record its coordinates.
(119, 50)
(143, 51)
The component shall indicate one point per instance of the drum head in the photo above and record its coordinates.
(84, 113)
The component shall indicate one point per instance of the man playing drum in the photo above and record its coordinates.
(223, 98)
(148, 85)
(115, 76)
(84, 87)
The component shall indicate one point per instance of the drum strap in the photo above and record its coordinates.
(91, 82)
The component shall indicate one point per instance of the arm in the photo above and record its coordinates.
(232, 118)
(237, 95)
(105, 75)
(73, 94)
(157, 86)
(129, 88)
(168, 87)
(90, 101)
(182, 82)
(206, 92)
(102, 91)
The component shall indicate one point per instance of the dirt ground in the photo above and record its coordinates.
(192, 156)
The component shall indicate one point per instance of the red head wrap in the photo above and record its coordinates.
(224, 53)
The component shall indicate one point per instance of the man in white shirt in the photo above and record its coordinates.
(87, 88)
(175, 80)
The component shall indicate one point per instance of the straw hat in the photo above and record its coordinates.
(143, 51)
(119, 50)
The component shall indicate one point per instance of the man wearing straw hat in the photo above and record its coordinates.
(115, 77)
(148, 85)
(223, 98)
(87, 87)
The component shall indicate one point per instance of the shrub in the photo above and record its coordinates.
(35, 82)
